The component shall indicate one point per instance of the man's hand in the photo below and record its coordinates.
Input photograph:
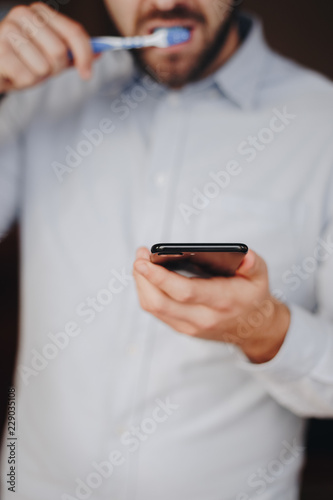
(238, 310)
(34, 45)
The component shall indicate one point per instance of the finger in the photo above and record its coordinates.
(49, 43)
(178, 325)
(153, 301)
(143, 253)
(76, 39)
(252, 267)
(14, 74)
(27, 52)
(196, 321)
(214, 292)
(206, 326)
(197, 318)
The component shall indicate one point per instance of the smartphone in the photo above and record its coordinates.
(199, 259)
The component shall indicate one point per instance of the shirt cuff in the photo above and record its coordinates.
(305, 344)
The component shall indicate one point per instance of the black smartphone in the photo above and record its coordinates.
(199, 259)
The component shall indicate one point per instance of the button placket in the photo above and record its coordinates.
(164, 159)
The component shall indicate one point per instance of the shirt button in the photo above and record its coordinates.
(174, 99)
(121, 429)
(132, 349)
(160, 180)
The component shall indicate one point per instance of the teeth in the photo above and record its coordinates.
(166, 28)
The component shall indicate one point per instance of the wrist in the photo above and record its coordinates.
(264, 345)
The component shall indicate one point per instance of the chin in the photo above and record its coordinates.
(173, 71)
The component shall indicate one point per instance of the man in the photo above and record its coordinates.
(201, 393)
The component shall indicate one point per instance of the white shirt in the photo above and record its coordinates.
(112, 403)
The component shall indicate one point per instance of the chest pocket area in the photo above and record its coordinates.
(273, 229)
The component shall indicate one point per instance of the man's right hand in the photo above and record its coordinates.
(34, 45)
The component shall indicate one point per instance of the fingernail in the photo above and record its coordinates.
(142, 268)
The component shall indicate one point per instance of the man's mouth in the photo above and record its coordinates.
(169, 24)
(165, 24)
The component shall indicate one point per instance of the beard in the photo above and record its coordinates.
(175, 70)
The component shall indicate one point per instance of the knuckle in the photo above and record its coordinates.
(44, 70)
(77, 29)
(8, 28)
(26, 80)
(158, 277)
(144, 304)
(202, 324)
(42, 11)
(58, 53)
(224, 305)
(209, 323)
(190, 330)
(196, 332)
(40, 5)
(186, 294)
(157, 305)
(206, 321)
(18, 12)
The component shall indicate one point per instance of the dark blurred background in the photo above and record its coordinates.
(300, 29)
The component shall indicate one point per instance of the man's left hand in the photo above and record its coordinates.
(238, 309)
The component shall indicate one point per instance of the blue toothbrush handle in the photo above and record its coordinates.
(125, 44)
(99, 47)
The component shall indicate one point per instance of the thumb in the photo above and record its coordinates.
(253, 266)
(143, 253)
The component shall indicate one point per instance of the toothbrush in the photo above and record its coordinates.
(163, 38)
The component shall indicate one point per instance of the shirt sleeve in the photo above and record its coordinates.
(10, 163)
(300, 377)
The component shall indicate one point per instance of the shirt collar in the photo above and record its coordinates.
(239, 78)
